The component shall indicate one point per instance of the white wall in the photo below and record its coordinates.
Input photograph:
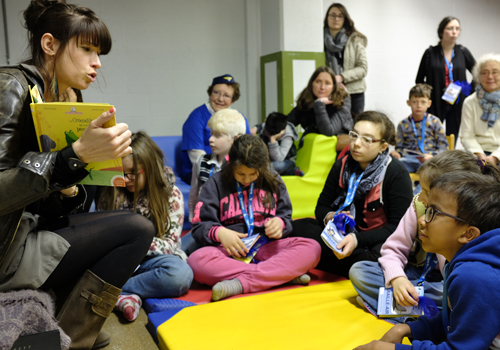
(166, 52)
(400, 31)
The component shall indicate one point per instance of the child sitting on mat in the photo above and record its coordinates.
(461, 223)
(150, 191)
(401, 264)
(243, 200)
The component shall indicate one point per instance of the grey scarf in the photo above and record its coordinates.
(334, 48)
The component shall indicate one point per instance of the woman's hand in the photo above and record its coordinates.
(347, 245)
(404, 292)
(98, 144)
(231, 241)
(325, 100)
(273, 228)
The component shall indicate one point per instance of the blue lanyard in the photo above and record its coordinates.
(211, 171)
(421, 142)
(351, 192)
(446, 321)
(450, 65)
(249, 220)
(431, 261)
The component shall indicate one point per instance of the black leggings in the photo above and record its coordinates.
(111, 244)
(310, 228)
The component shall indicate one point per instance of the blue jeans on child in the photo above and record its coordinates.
(286, 167)
(412, 164)
(160, 276)
(367, 277)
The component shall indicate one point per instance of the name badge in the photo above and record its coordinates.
(452, 92)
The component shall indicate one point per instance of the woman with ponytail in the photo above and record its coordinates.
(82, 258)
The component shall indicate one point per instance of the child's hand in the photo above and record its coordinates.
(491, 159)
(404, 291)
(376, 345)
(347, 212)
(424, 158)
(395, 154)
(273, 228)
(396, 334)
(231, 241)
(273, 138)
(348, 246)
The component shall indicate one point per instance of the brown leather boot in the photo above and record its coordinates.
(86, 309)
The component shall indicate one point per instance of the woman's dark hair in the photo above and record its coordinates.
(476, 197)
(64, 21)
(443, 25)
(306, 98)
(235, 86)
(387, 129)
(454, 160)
(252, 152)
(348, 22)
(275, 122)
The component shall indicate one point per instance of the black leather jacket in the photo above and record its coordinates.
(28, 177)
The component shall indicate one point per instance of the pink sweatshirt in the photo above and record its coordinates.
(397, 247)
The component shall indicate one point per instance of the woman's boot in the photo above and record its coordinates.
(84, 312)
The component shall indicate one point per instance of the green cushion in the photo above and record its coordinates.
(315, 159)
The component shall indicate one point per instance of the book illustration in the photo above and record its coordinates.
(388, 307)
(253, 243)
(331, 236)
(60, 124)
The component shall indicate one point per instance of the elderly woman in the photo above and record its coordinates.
(480, 131)
(345, 50)
(223, 92)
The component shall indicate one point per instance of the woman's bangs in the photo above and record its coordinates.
(94, 33)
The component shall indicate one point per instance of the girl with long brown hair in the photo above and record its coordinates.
(247, 201)
(324, 108)
(150, 191)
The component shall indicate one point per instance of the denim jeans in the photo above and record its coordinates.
(367, 277)
(189, 245)
(412, 164)
(286, 167)
(160, 276)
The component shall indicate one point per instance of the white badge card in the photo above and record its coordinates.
(452, 92)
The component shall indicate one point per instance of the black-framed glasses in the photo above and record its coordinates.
(131, 176)
(365, 140)
(430, 213)
(334, 16)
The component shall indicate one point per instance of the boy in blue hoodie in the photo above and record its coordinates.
(462, 223)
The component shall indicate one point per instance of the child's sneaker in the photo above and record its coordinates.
(298, 172)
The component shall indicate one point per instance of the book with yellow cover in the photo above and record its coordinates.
(59, 124)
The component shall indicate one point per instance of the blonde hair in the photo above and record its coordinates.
(228, 121)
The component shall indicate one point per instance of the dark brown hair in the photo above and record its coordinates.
(306, 98)
(476, 197)
(444, 22)
(235, 86)
(453, 160)
(64, 21)
(348, 22)
(252, 152)
(387, 129)
(421, 90)
(156, 189)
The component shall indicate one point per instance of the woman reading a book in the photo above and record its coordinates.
(480, 131)
(370, 187)
(82, 258)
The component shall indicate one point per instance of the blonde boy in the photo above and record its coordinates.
(226, 125)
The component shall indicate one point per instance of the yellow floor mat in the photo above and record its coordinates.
(324, 316)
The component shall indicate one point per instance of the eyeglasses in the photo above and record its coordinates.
(486, 73)
(430, 213)
(365, 140)
(333, 16)
(131, 176)
(224, 96)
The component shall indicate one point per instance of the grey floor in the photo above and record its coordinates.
(129, 335)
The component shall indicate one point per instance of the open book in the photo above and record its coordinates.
(388, 307)
(59, 124)
(253, 243)
(412, 153)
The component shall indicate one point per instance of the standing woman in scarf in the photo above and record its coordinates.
(382, 190)
(345, 50)
(442, 64)
(480, 130)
